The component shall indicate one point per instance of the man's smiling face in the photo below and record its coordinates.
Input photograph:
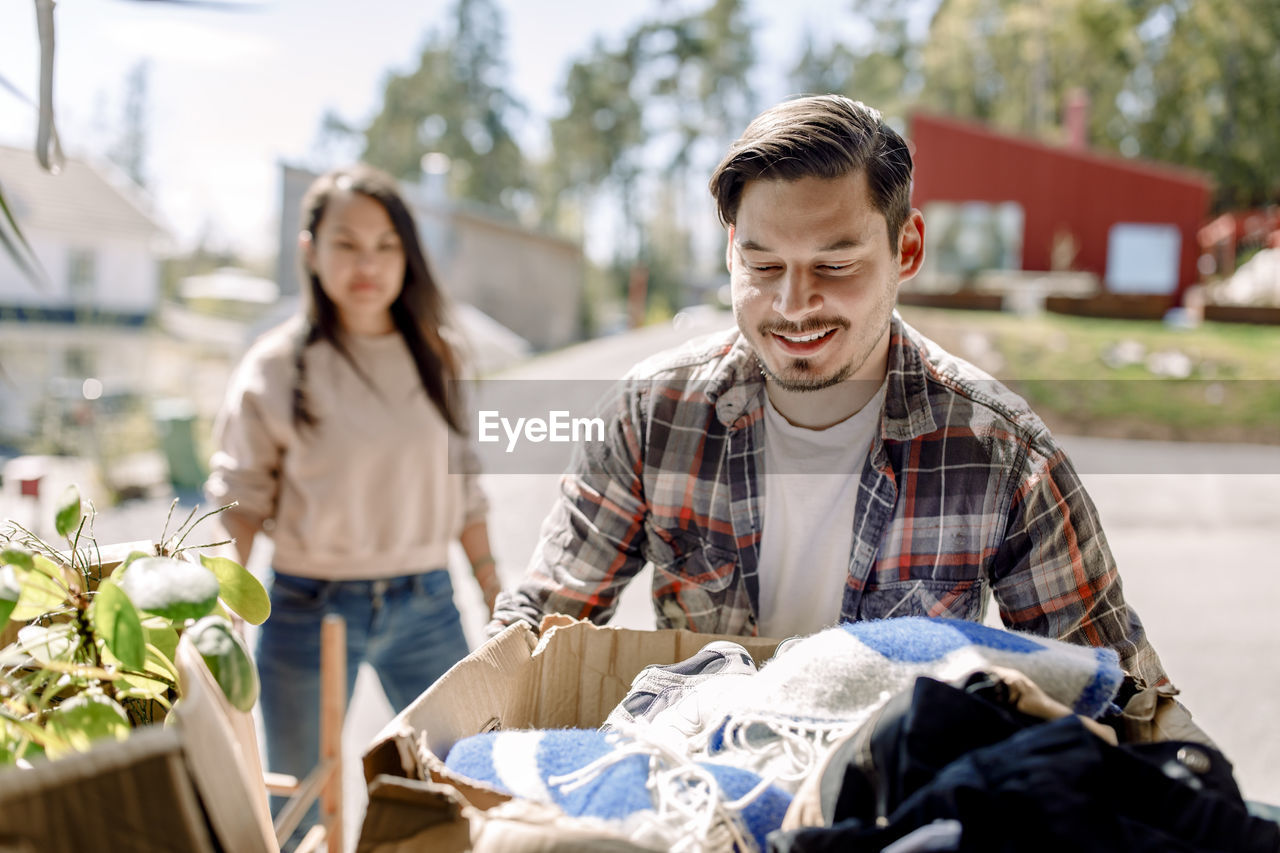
(815, 278)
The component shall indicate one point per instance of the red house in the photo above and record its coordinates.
(1130, 222)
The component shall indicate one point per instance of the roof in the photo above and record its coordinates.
(79, 199)
(1151, 168)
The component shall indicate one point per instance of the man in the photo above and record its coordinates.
(824, 462)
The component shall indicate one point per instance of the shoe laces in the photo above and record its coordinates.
(782, 750)
(690, 814)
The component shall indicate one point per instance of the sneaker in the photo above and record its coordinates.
(669, 693)
(785, 645)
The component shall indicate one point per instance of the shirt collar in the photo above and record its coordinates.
(907, 413)
(739, 390)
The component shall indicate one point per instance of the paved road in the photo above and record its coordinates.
(1197, 551)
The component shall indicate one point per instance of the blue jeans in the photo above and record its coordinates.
(407, 628)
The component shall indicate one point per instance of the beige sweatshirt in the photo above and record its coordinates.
(378, 487)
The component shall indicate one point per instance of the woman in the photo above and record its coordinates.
(341, 438)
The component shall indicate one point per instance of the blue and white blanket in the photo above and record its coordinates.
(730, 784)
(652, 798)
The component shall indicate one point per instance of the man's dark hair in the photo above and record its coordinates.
(819, 136)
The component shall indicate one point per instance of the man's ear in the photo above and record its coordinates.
(728, 250)
(911, 245)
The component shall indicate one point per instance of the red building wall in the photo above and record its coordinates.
(1059, 189)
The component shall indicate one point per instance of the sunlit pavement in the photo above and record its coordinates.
(1197, 552)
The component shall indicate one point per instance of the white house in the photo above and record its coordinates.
(99, 249)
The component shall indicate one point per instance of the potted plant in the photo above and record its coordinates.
(93, 652)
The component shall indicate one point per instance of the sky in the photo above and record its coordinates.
(233, 93)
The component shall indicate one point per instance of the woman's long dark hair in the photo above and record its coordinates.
(418, 313)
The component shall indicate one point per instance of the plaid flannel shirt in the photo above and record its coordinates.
(964, 492)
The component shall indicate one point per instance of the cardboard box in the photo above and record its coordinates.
(573, 676)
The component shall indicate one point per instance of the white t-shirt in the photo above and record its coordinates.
(811, 484)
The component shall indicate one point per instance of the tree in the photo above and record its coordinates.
(1208, 79)
(597, 139)
(643, 117)
(1190, 82)
(820, 70)
(455, 103)
(700, 59)
(1012, 64)
(130, 149)
(881, 68)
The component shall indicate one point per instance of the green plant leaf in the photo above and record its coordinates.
(115, 620)
(56, 642)
(161, 664)
(17, 556)
(133, 555)
(10, 592)
(87, 717)
(228, 660)
(139, 687)
(239, 590)
(175, 589)
(67, 517)
(40, 592)
(164, 639)
(24, 737)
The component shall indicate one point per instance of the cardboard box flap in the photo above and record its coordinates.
(473, 696)
(579, 672)
(409, 814)
(574, 675)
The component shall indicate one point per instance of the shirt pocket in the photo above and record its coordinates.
(959, 599)
(689, 561)
(693, 588)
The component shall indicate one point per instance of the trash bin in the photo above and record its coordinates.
(175, 420)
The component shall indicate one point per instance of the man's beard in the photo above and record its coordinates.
(809, 383)
(802, 365)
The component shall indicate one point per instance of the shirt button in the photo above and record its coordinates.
(1195, 760)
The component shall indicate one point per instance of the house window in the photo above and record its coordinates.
(1143, 257)
(81, 276)
(965, 238)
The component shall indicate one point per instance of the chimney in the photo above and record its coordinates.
(1076, 118)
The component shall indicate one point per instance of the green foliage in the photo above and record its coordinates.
(172, 589)
(1210, 72)
(1013, 64)
(67, 514)
(93, 655)
(115, 620)
(1060, 365)
(1187, 83)
(84, 718)
(645, 115)
(239, 590)
(227, 657)
(454, 103)
(10, 591)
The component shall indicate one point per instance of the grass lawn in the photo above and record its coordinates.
(1125, 378)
